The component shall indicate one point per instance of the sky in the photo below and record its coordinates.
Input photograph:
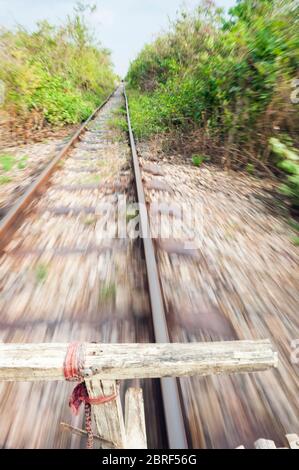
(123, 26)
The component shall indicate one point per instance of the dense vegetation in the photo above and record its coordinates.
(227, 79)
(59, 74)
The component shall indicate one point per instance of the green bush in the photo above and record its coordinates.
(289, 163)
(227, 75)
(59, 72)
(60, 102)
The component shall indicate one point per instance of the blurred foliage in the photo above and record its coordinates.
(60, 72)
(41, 273)
(198, 160)
(229, 76)
(4, 180)
(8, 162)
(288, 161)
(250, 168)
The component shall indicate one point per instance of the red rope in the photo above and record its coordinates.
(74, 362)
(80, 395)
(73, 371)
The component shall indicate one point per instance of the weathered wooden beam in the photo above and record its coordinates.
(44, 362)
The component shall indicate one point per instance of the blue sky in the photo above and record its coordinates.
(123, 26)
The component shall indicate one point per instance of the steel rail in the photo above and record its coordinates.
(170, 393)
(10, 221)
(176, 432)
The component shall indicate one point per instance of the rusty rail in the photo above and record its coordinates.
(16, 214)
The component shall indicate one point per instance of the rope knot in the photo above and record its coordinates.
(80, 395)
(73, 371)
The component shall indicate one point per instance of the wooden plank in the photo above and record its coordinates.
(264, 444)
(293, 441)
(135, 419)
(36, 362)
(108, 416)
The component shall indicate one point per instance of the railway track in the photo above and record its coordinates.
(65, 276)
(67, 273)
